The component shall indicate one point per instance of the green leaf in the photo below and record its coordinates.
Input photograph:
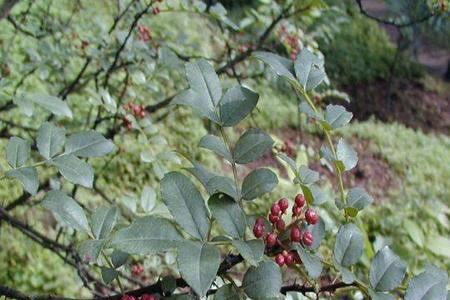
(66, 210)
(205, 91)
(439, 245)
(215, 144)
(52, 104)
(202, 175)
(103, 221)
(311, 262)
(308, 194)
(337, 116)
(414, 232)
(251, 145)
(108, 275)
(17, 152)
(380, 296)
(309, 69)
(24, 104)
(227, 292)
(318, 232)
(258, 182)
(186, 204)
(252, 251)
(90, 250)
(236, 104)
(263, 281)
(386, 270)
(428, 285)
(148, 199)
(307, 176)
(289, 161)
(347, 275)
(119, 258)
(358, 198)
(280, 65)
(88, 144)
(346, 155)
(74, 169)
(305, 108)
(198, 264)
(319, 196)
(228, 214)
(349, 245)
(223, 184)
(50, 140)
(28, 177)
(148, 235)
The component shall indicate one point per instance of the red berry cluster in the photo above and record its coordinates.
(143, 297)
(272, 239)
(137, 269)
(291, 39)
(138, 111)
(144, 33)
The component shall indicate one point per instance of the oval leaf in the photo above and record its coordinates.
(74, 170)
(103, 221)
(263, 281)
(236, 104)
(252, 251)
(228, 214)
(349, 245)
(386, 270)
(148, 235)
(28, 177)
(251, 146)
(428, 285)
(198, 264)
(258, 182)
(215, 144)
(88, 144)
(50, 140)
(186, 204)
(17, 152)
(66, 210)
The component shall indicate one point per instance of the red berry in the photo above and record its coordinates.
(271, 239)
(156, 10)
(258, 230)
(273, 219)
(279, 259)
(281, 225)
(308, 238)
(300, 200)
(148, 297)
(289, 259)
(296, 234)
(296, 211)
(311, 216)
(137, 269)
(283, 203)
(275, 210)
(128, 297)
(259, 221)
(142, 113)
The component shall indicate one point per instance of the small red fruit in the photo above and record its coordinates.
(259, 221)
(281, 225)
(296, 234)
(273, 219)
(271, 239)
(289, 259)
(156, 10)
(284, 204)
(300, 200)
(275, 209)
(137, 269)
(128, 297)
(296, 210)
(279, 259)
(308, 238)
(258, 230)
(311, 216)
(148, 297)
